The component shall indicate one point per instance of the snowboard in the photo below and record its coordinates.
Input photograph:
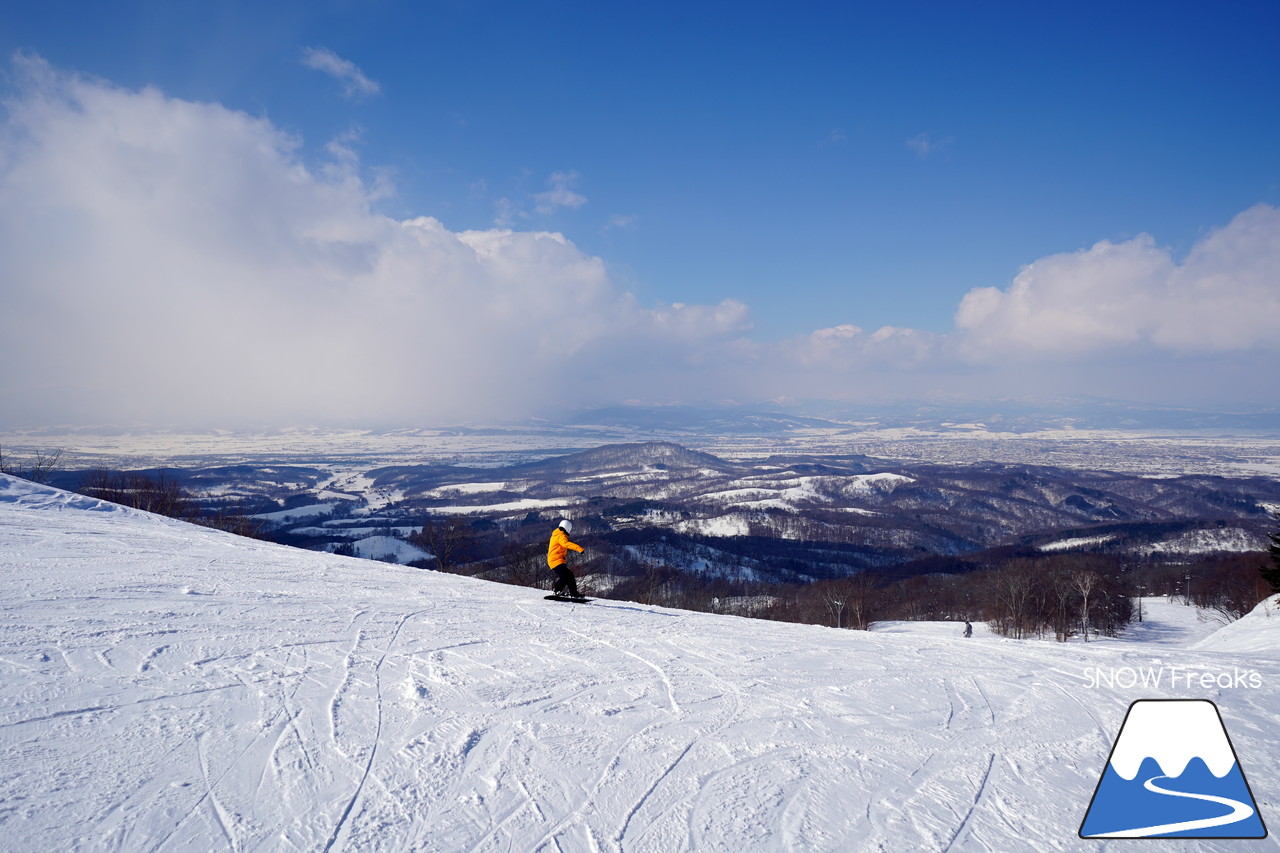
(582, 600)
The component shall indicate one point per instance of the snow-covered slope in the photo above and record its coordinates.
(1258, 633)
(168, 687)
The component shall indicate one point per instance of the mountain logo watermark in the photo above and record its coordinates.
(1173, 773)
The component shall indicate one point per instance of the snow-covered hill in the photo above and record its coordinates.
(169, 687)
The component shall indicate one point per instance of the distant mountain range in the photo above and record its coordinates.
(1006, 415)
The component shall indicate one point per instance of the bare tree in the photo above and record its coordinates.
(1062, 596)
(1011, 588)
(863, 597)
(844, 602)
(160, 494)
(1231, 586)
(1084, 581)
(526, 563)
(659, 585)
(43, 465)
(449, 540)
(235, 520)
(38, 470)
(834, 598)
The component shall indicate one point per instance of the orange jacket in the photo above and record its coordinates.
(559, 545)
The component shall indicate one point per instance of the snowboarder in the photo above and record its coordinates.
(968, 628)
(557, 552)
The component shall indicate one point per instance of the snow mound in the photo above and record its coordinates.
(30, 496)
(1256, 633)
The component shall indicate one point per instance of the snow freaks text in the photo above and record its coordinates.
(1170, 677)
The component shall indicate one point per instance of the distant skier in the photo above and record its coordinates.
(557, 552)
(968, 628)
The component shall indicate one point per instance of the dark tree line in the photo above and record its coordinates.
(1271, 572)
(1053, 596)
(1060, 596)
(451, 542)
(1229, 586)
(162, 494)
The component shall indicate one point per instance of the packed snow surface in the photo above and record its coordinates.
(174, 688)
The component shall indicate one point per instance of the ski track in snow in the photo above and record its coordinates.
(171, 688)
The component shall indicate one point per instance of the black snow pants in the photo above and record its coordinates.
(565, 579)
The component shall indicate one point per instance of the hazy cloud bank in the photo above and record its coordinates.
(164, 260)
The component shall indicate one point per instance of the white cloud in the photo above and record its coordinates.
(927, 144)
(354, 82)
(837, 136)
(621, 221)
(505, 212)
(837, 344)
(847, 347)
(1134, 297)
(1122, 319)
(560, 194)
(1226, 295)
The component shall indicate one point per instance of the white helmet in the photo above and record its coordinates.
(567, 525)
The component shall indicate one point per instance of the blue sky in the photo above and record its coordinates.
(826, 165)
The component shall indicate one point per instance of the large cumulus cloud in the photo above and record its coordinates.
(1133, 296)
(167, 260)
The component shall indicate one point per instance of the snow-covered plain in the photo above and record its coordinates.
(388, 549)
(168, 687)
(352, 453)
